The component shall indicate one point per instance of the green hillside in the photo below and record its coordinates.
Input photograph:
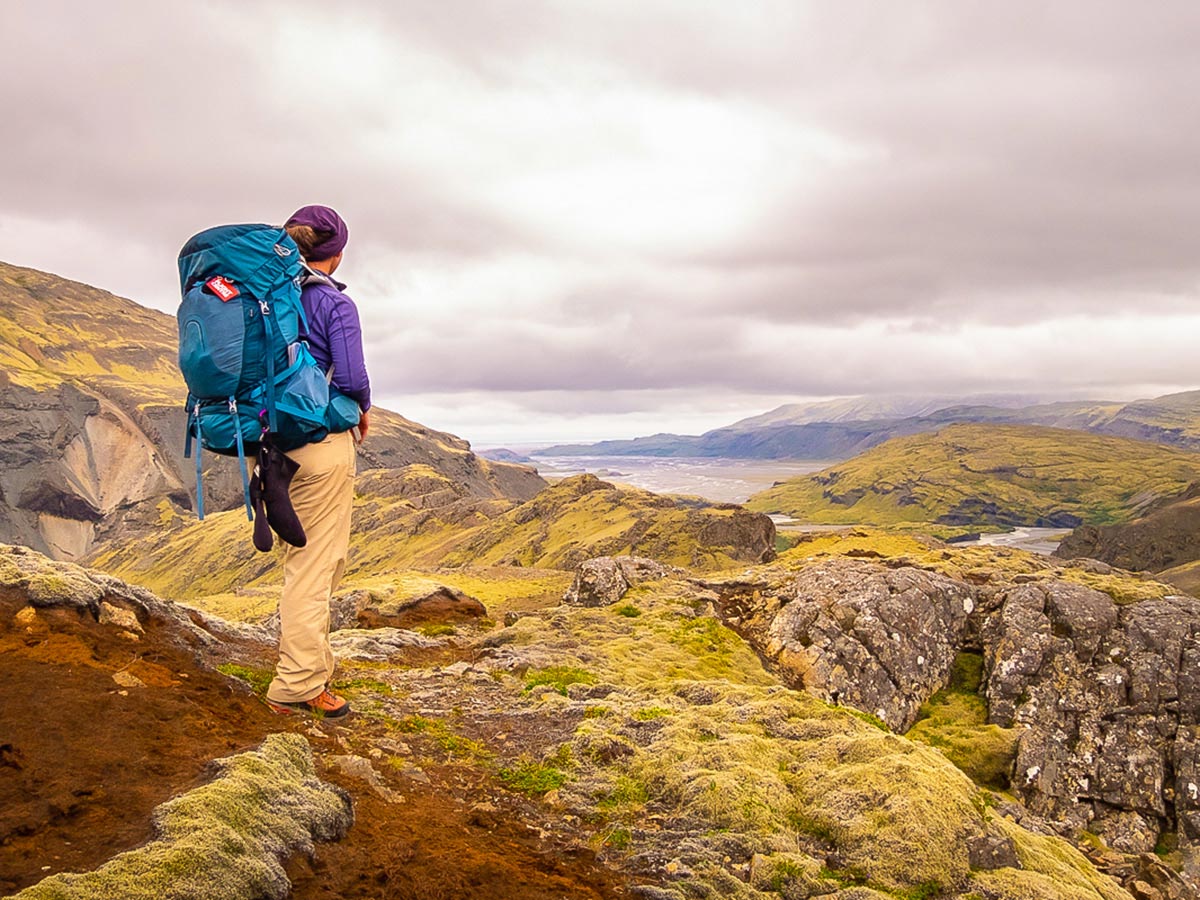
(968, 475)
(53, 330)
(418, 519)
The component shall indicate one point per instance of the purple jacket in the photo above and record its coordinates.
(335, 336)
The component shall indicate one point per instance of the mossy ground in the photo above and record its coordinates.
(684, 726)
(663, 738)
(954, 721)
(225, 838)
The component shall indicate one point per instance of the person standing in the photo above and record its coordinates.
(322, 491)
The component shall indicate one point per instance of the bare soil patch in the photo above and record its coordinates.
(85, 758)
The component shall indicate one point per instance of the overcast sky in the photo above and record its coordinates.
(579, 220)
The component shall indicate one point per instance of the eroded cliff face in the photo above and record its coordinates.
(1164, 539)
(75, 467)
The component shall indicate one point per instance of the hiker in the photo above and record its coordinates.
(322, 489)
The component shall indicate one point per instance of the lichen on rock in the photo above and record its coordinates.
(604, 580)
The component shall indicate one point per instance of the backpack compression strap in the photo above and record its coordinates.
(241, 453)
(193, 431)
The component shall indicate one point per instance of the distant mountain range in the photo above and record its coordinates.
(840, 429)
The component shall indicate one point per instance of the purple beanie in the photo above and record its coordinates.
(322, 219)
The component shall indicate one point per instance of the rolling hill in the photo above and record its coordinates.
(1006, 475)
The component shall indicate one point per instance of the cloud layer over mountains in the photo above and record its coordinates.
(583, 219)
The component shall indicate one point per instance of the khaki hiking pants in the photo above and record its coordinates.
(322, 492)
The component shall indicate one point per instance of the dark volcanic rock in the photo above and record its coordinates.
(1107, 699)
(882, 640)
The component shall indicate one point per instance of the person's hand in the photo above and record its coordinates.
(364, 423)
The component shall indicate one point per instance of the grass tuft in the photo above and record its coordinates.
(558, 677)
(258, 679)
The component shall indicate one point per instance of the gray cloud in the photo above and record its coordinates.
(659, 200)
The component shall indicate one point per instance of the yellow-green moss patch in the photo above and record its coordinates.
(226, 838)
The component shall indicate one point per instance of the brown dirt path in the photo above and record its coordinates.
(432, 848)
(83, 760)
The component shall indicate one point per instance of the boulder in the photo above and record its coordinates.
(432, 603)
(604, 580)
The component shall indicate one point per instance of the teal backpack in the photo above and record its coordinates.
(242, 350)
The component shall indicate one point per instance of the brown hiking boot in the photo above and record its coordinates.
(325, 704)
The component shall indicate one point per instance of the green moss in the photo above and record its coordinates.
(954, 720)
(1124, 589)
(226, 838)
(618, 838)
(532, 777)
(704, 634)
(1168, 843)
(437, 629)
(1051, 870)
(368, 685)
(443, 737)
(258, 679)
(811, 823)
(870, 718)
(626, 794)
(628, 610)
(61, 584)
(650, 713)
(558, 677)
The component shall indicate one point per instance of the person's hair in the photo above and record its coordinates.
(307, 237)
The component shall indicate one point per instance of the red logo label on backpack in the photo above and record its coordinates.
(222, 288)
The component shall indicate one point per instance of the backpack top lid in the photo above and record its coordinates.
(257, 258)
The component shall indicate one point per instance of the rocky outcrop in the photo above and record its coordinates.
(881, 640)
(1107, 700)
(1105, 697)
